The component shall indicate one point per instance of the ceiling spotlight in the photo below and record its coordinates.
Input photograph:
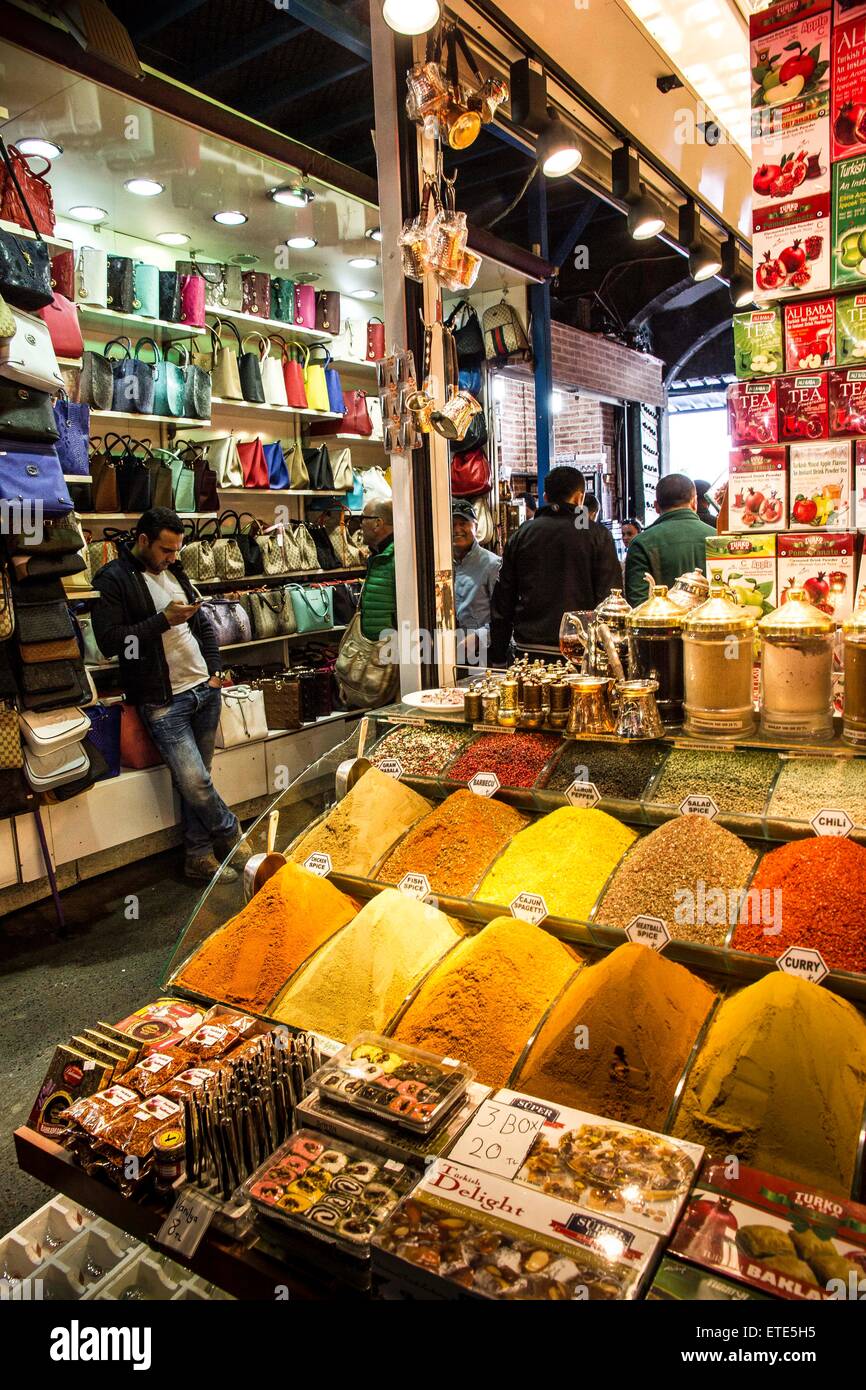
(292, 195)
(84, 212)
(230, 218)
(173, 238)
(144, 188)
(645, 217)
(742, 292)
(363, 262)
(32, 144)
(302, 243)
(374, 233)
(704, 262)
(557, 150)
(362, 294)
(410, 16)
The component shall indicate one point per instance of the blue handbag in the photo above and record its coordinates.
(169, 382)
(145, 289)
(134, 380)
(73, 423)
(104, 735)
(32, 473)
(335, 388)
(469, 379)
(355, 498)
(313, 606)
(278, 473)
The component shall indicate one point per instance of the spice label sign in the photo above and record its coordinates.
(414, 886)
(648, 931)
(698, 805)
(319, 864)
(805, 963)
(392, 766)
(584, 794)
(500, 1136)
(186, 1223)
(529, 907)
(484, 784)
(830, 822)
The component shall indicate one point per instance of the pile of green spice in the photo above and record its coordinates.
(517, 759)
(690, 872)
(422, 752)
(620, 770)
(738, 782)
(809, 785)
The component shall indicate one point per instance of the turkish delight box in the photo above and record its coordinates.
(860, 484)
(820, 481)
(791, 247)
(822, 563)
(752, 412)
(849, 222)
(848, 113)
(790, 52)
(758, 343)
(747, 564)
(810, 334)
(791, 150)
(803, 405)
(774, 1235)
(847, 401)
(758, 489)
(851, 330)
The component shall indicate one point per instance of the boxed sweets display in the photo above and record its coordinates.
(849, 222)
(399, 1085)
(752, 412)
(790, 52)
(821, 486)
(747, 564)
(758, 490)
(803, 407)
(771, 1234)
(791, 247)
(850, 330)
(463, 1231)
(392, 1141)
(810, 334)
(847, 400)
(678, 1282)
(823, 565)
(758, 343)
(848, 114)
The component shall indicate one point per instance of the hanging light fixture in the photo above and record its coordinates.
(704, 262)
(557, 150)
(410, 16)
(645, 218)
(742, 292)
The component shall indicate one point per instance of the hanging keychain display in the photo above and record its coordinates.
(449, 109)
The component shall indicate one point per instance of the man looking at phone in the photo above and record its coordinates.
(149, 617)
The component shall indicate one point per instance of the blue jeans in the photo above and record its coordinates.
(184, 731)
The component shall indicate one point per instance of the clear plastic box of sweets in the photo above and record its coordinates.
(401, 1085)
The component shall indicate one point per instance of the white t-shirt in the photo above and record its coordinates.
(186, 665)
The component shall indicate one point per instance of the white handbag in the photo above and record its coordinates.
(29, 357)
(223, 457)
(375, 410)
(350, 344)
(93, 656)
(242, 717)
(375, 484)
(341, 468)
(92, 278)
(48, 730)
(273, 381)
(56, 768)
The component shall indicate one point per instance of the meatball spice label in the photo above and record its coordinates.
(752, 408)
(758, 492)
(803, 401)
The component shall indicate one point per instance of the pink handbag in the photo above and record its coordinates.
(254, 463)
(192, 300)
(305, 306)
(61, 318)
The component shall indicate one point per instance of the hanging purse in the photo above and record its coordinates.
(313, 605)
(134, 379)
(121, 291)
(375, 485)
(55, 769)
(470, 473)
(250, 372)
(253, 463)
(96, 381)
(468, 337)
(63, 274)
(256, 293)
(169, 296)
(226, 381)
(315, 385)
(72, 422)
(504, 335)
(318, 465)
(213, 275)
(161, 491)
(145, 289)
(192, 300)
(273, 379)
(375, 340)
(29, 356)
(92, 277)
(10, 738)
(356, 419)
(282, 299)
(46, 733)
(31, 473)
(26, 414)
(293, 373)
(305, 306)
(197, 556)
(25, 197)
(328, 311)
(61, 319)
(342, 476)
(133, 478)
(278, 473)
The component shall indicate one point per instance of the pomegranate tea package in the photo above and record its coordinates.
(791, 150)
(790, 52)
(849, 222)
(791, 246)
(758, 343)
(821, 486)
(747, 564)
(810, 334)
(803, 401)
(847, 387)
(823, 565)
(848, 114)
(752, 411)
(757, 491)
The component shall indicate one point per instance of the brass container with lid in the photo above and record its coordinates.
(509, 707)
(656, 627)
(689, 590)
(796, 670)
(718, 662)
(609, 644)
(854, 647)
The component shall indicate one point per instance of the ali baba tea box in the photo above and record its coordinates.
(774, 1235)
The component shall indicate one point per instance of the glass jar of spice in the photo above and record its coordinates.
(796, 670)
(657, 628)
(854, 646)
(717, 651)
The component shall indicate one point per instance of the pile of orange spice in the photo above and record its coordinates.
(455, 843)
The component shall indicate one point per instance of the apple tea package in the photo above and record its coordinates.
(810, 334)
(790, 52)
(747, 565)
(821, 486)
(851, 330)
(758, 343)
(757, 490)
(849, 222)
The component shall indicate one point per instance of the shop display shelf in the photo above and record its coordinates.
(251, 323)
(133, 516)
(356, 438)
(69, 361)
(255, 580)
(137, 323)
(281, 637)
(223, 403)
(352, 364)
(54, 243)
(278, 492)
(186, 422)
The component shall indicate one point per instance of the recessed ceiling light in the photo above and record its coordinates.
(362, 294)
(292, 195)
(363, 262)
(173, 238)
(302, 243)
(244, 258)
(31, 144)
(84, 212)
(374, 233)
(230, 218)
(144, 188)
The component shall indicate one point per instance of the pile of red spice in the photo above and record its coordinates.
(517, 759)
(822, 902)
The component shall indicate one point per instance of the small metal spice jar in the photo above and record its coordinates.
(490, 706)
(532, 713)
(796, 670)
(472, 706)
(854, 646)
(509, 708)
(560, 701)
(657, 628)
(718, 660)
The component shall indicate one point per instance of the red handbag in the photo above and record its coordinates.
(137, 748)
(470, 473)
(192, 300)
(63, 273)
(254, 463)
(375, 340)
(35, 187)
(61, 318)
(293, 375)
(356, 417)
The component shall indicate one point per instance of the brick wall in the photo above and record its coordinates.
(590, 361)
(582, 426)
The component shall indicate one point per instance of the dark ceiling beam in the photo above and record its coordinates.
(679, 280)
(332, 23)
(708, 336)
(234, 54)
(320, 129)
(283, 92)
(161, 16)
(569, 240)
(497, 176)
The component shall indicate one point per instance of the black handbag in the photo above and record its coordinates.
(169, 296)
(207, 498)
(26, 413)
(120, 284)
(250, 370)
(47, 677)
(326, 555)
(25, 265)
(468, 337)
(43, 622)
(134, 479)
(134, 379)
(38, 567)
(17, 797)
(43, 591)
(59, 537)
(318, 466)
(474, 438)
(96, 381)
(346, 599)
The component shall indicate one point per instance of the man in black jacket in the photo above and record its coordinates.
(557, 562)
(148, 616)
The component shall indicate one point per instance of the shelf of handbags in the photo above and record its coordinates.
(188, 421)
(54, 243)
(116, 318)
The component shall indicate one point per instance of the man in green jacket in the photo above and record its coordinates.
(379, 594)
(674, 544)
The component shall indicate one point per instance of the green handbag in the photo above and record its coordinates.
(282, 300)
(169, 383)
(182, 480)
(145, 290)
(313, 606)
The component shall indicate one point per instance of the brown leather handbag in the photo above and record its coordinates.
(66, 650)
(328, 311)
(256, 293)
